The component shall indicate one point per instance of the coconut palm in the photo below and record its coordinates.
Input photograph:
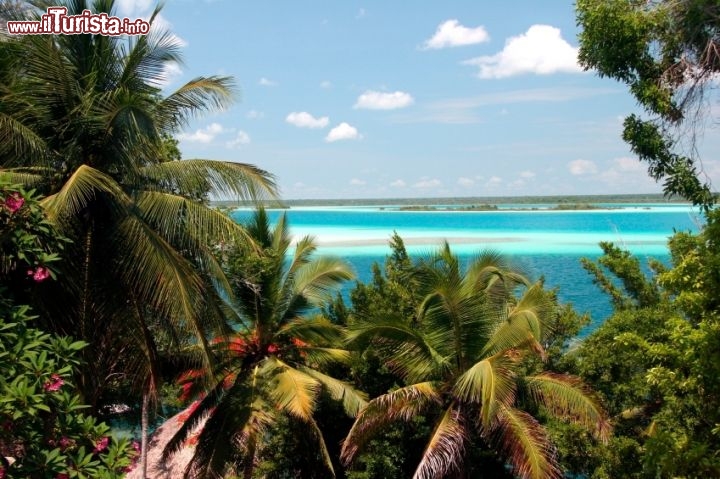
(462, 360)
(84, 118)
(274, 364)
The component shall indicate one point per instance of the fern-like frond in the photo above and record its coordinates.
(446, 447)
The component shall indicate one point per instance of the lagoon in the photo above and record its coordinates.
(548, 243)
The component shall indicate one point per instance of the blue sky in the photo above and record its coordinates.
(377, 99)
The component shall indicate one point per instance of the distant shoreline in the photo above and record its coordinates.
(556, 201)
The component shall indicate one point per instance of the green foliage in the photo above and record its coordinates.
(657, 365)
(666, 52)
(27, 240)
(463, 357)
(42, 426)
(43, 430)
(276, 366)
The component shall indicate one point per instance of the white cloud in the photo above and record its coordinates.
(267, 82)
(428, 183)
(582, 167)
(527, 174)
(375, 100)
(304, 119)
(628, 164)
(493, 181)
(451, 34)
(541, 50)
(343, 131)
(254, 114)
(326, 84)
(361, 14)
(242, 138)
(203, 135)
(466, 182)
(398, 184)
(358, 182)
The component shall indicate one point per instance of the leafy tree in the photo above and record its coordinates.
(84, 121)
(43, 431)
(667, 53)
(273, 369)
(462, 358)
(656, 364)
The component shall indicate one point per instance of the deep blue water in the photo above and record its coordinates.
(548, 243)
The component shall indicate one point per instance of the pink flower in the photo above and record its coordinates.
(101, 445)
(2, 472)
(136, 446)
(62, 475)
(54, 384)
(41, 273)
(14, 202)
(65, 442)
(273, 348)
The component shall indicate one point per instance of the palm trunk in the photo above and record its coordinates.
(249, 466)
(144, 432)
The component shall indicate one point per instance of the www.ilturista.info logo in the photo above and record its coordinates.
(57, 21)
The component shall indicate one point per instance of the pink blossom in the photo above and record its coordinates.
(101, 445)
(136, 446)
(41, 273)
(2, 472)
(14, 202)
(62, 475)
(273, 348)
(54, 384)
(65, 442)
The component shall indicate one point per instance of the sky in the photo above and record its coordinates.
(389, 99)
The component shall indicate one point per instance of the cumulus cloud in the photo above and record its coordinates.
(541, 51)
(343, 131)
(254, 114)
(493, 181)
(326, 84)
(242, 138)
(466, 182)
(398, 184)
(358, 182)
(582, 167)
(451, 34)
(304, 119)
(267, 82)
(628, 164)
(375, 100)
(203, 135)
(428, 183)
(527, 174)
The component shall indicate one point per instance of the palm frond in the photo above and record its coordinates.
(318, 280)
(402, 404)
(445, 449)
(199, 95)
(316, 331)
(526, 445)
(19, 143)
(84, 187)
(569, 398)
(28, 180)
(316, 433)
(187, 222)
(352, 400)
(240, 181)
(294, 391)
(488, 383)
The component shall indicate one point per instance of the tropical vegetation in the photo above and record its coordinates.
(122, 288)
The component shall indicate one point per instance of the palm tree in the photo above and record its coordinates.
(83, 119)
(273, 365)
(462, 360)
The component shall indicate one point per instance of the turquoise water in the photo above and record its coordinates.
(547, 243)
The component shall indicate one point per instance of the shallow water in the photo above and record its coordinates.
(548, 243)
